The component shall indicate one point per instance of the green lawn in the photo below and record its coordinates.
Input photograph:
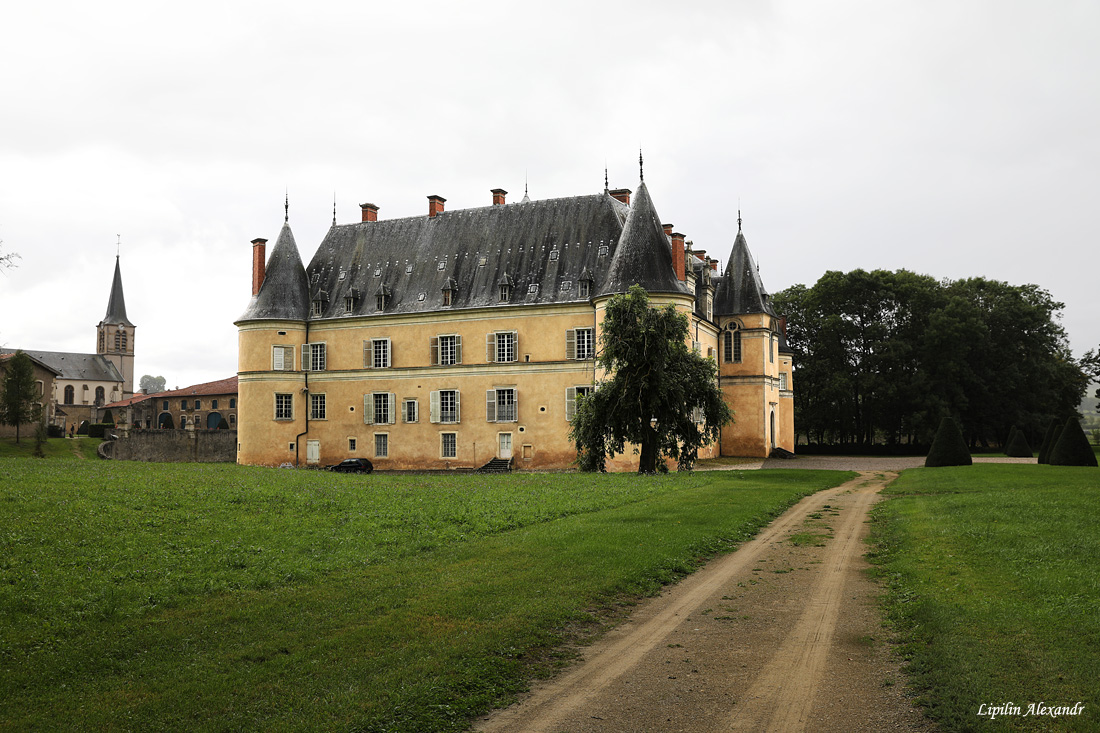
(994, 585)
(215, 597)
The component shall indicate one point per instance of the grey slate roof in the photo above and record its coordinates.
(541, 248)
(284, 294)
(740, 290)
(116, 304)
(643, 255)
(86, 367)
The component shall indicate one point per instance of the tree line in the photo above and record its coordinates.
(883, 356)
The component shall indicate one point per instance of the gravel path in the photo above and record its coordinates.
(780, 635)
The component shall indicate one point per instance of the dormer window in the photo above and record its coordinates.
(381, 297)
(449, 288)
(350, 300)
(505, 290)
(317, 309)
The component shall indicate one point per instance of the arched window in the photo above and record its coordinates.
(99, 395)
(732, 347)
(70, 394)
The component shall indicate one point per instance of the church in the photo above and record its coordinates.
(446, 340)
(84, 383)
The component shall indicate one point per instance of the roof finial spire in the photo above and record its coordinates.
(738, 219)
(606, 188)
(641, 170)
(118, 246)
(334, 208)
(286, 207)
(525, 184)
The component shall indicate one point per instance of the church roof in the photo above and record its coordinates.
(284, 294)
(643, 256)
(116, 304)
(540, 249)
(85, 367)
(740, 289)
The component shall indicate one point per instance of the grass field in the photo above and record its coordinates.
(994, 585)
(218, 597)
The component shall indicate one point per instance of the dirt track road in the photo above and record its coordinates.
(781, 635)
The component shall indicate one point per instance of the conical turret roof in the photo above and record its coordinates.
(643, 255)
(284, 294)
(116, 304)
(741, 290)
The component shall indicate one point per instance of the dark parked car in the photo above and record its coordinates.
(353, 465)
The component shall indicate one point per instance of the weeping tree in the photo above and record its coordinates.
(658, 394)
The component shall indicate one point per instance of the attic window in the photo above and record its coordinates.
(447, 298)
(584, 288)
(603, 250)
(318, 309)
(483, 261)
(316, 278)
(532, 289)
(421, 297)
(505, 292)
(408, 269)
(553, 255)
(380, 301)
(349, 304)
(441, 264)
(343, 274)
(378, 272)
(566, 284)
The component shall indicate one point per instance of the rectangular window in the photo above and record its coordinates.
(584, 288)
(313, 357)
(232, 403)
(282, 358)
(579, 343)
(501, 405)
(165, 403)
(316, 309)
(448, 445)
(351, 445)
(198, 405)
(184, 404)
(316, 407)
(284, 406)
(377, 354)
(213, 404)
(410, 410)
(571, 395)
(380, 408)
(782, 380)
(381, 445)
(501, 346)
(771, 348)
(446, 350)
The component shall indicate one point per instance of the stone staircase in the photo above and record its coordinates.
(497, 465)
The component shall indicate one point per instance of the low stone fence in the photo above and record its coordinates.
(172, 446)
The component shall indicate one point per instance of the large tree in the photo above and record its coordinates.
(19, 393)
(151, 385)
(884, 355)
(655, 391)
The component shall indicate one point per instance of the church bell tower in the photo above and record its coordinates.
(115, 335)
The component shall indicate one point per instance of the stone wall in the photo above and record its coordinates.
(173, 446)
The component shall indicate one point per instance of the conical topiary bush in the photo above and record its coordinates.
(1072, 448)
(1018, 447)
(948, 447)
(1048, 441)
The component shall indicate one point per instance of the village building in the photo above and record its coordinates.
(197, 407)
(445, 340)
(86, 382)
(44, 377)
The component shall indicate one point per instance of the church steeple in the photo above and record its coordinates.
(115, 334)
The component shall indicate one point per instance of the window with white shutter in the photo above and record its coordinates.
(282, 358)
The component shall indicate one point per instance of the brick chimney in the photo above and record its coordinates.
(668, 229)
(370, 212)
(259, 264)
(435, 206)
(714, 265)
(678, 256)
(621, 194)
(498, 196)
(701, 254)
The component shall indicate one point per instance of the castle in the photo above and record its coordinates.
(445, 340)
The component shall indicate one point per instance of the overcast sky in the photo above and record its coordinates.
(951, 138)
